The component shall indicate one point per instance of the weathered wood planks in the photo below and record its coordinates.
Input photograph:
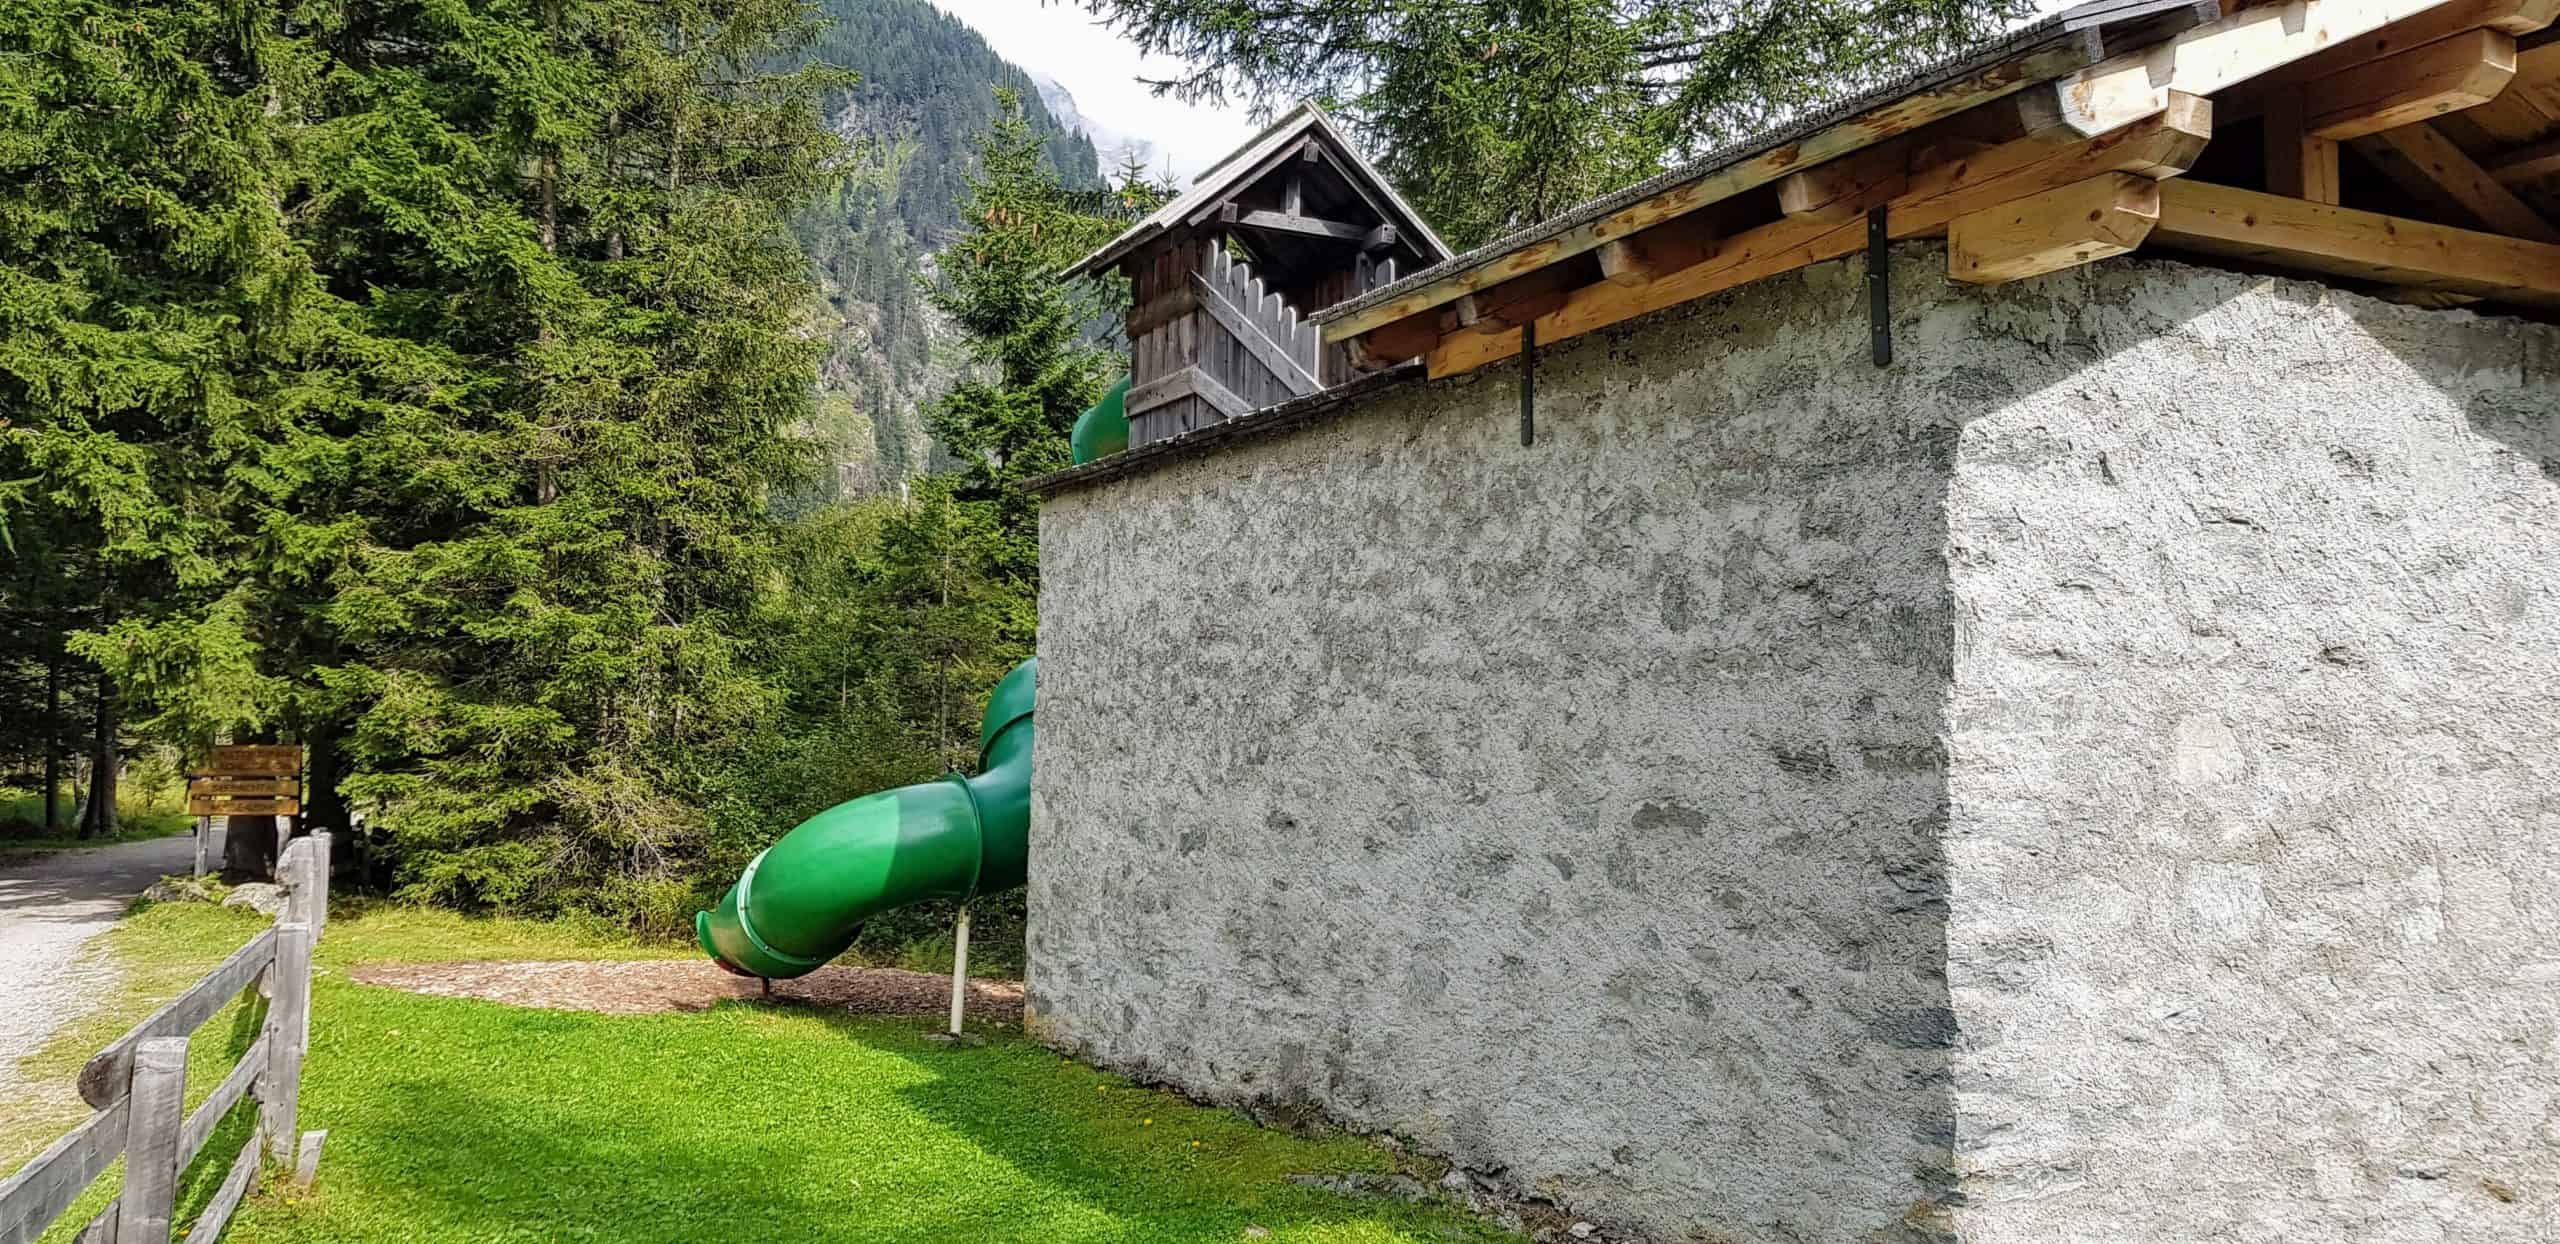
(102, 1081)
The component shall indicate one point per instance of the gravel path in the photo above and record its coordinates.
(50, 906)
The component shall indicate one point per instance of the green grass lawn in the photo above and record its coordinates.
(141, 828)
(469, 1121)
(148, 813)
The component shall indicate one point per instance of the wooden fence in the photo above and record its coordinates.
(139, 1086)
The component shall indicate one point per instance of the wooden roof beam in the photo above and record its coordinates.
(1837, 191)
(1518, 300)
(1901, 116)
(2204, 59)
(2160, 146)
(1293, 223)
(2165, 145)
(1320, 154)
(2339, 241)
(2027, 114)
(1411, 337)
(1659, 251)
(2527, 165)
(2515, 17)
(2527, 111)
(2107, 215)
(2431, 167)
(2422, 83)
(2299, 165)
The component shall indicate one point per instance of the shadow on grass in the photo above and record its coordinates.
(212, 1052)
(462, 1120)
(1158, 1165)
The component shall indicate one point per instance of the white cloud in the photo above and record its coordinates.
(1102, 70)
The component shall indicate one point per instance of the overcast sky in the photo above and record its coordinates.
(1061, 41)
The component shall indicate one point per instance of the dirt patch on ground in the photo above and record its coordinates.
(652, 986)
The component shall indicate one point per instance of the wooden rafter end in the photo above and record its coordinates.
(1922, 206)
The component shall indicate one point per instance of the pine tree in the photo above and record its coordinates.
(158, 326)
(1026, 330)
(583, 206)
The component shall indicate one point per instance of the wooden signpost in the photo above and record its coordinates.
(256, 758)
(244, 779)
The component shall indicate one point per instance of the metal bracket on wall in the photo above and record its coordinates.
(1879, 300)
(1529, 383)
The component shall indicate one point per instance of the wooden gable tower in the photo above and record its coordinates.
(1223, 277)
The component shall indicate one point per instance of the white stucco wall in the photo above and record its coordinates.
(2081, 782)
(2255, 839)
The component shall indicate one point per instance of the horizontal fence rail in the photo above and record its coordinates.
(138, 1085)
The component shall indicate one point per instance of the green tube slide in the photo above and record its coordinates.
(1103, 429)
(802, 900)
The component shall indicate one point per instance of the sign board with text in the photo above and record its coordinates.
(237, 787)
(248, 779)
(252, 759)
(204, 806)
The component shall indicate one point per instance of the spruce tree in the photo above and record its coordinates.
(583, 207)
(158, 326)
(1027, 330)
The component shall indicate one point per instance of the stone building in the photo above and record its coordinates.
(1873, 689)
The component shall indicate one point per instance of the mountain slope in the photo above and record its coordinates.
(928, 77)
(1114, 145)
(928, 91)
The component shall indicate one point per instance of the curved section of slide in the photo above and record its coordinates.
(802, 900)
(1103, 429)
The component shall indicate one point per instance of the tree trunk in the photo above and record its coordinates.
(324, 805)
(550, 167)
(53, 738)
(105, 766)
(249, 845)
(612, 171)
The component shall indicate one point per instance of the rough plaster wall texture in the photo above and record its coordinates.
(1573, 810)
(2254, 815)
(2229, 594)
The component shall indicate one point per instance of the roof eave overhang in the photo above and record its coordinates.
(1307, 120)
(2038, 54)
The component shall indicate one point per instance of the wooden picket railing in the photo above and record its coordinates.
(139, 1086)
(1264, 353)
(1210, 339)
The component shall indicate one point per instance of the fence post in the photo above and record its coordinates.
(325, 847)
(306, 882)
(306, 1164)
(288, 1035)
(155, 1113)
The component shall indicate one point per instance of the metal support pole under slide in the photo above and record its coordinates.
(959, 967)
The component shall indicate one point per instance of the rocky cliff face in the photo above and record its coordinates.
(1114, 146)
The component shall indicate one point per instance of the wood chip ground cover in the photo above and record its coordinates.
(649, 987)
